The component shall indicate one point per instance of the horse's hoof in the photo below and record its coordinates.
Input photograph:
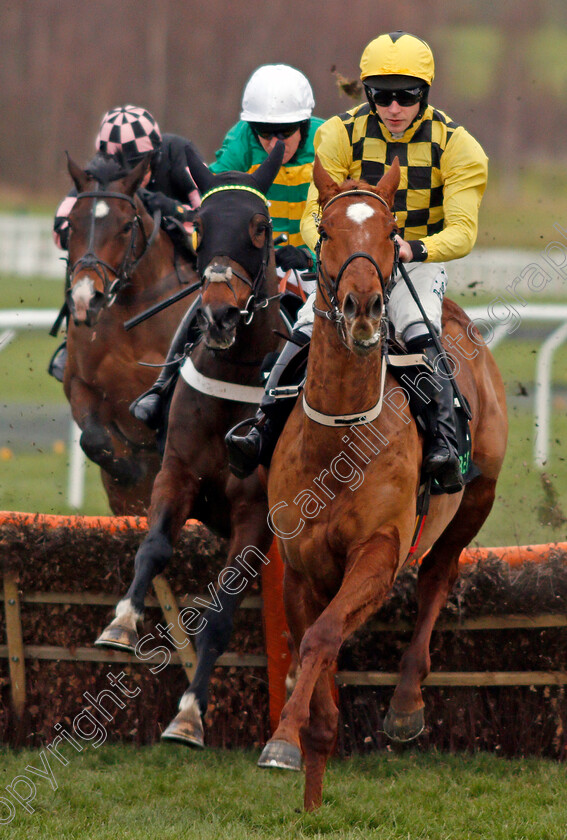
(118, 638)
(188, 732)
(280, 754)
(402, 727)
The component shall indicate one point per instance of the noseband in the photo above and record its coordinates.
(256, 300)
(329, 288)
(91, 262)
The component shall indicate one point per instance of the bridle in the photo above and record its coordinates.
(329, 288)
(329, 291)
(91, 262)
(257, 299)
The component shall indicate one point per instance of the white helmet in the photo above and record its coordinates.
(277, 93)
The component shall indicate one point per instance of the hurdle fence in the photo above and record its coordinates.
(19, 655)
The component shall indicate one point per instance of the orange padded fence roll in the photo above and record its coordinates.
(513, 555)
(109, 523)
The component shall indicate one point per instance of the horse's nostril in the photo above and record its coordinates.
(374, 307)
(202, 321)
(350, 306)
(224, 318)
(230, 318)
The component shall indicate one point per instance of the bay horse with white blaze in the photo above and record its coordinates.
(344, 543)
(120, 263)
(220, 385)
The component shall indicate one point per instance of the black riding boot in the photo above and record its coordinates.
(149, 406)
(58, 361)
(440, 458)
(246, 452)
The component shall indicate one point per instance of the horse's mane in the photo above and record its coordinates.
(352, 184)
(106, 168)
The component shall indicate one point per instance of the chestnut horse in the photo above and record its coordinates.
(120, 263)
(345, 522)
(220, 385)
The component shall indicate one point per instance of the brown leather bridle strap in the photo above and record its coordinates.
(357, 193)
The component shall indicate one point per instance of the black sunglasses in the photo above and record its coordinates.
(266, 132)
(404, 98)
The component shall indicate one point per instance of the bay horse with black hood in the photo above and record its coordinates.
(220, 385)
(344, 541)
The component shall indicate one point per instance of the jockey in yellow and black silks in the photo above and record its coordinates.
(443, 178)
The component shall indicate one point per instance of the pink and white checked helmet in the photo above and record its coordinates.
(130, 130)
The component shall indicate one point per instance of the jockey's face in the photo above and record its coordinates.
(291, 145)
(397, 118)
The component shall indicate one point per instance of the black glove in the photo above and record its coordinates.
(288, 256)
(154, 201)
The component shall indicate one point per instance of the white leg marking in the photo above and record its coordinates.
(126, 614)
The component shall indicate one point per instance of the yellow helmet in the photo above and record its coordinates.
(397, 54)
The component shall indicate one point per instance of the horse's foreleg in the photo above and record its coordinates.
(102, 447)
(173, 494)
(437, 575)
(250, 540)
(318, 738)
(369, 576)
(98, 442)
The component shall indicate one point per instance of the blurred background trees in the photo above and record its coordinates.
(501, 70)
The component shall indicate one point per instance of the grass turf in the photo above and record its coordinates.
(117, 792)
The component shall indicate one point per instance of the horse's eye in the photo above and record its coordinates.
(323, 234)
(127, 227)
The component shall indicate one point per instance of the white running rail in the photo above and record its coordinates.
(13, 320)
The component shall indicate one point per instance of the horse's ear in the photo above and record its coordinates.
(201, 174)
(79, 176)
(136, 175)
(389, 183)
(326, 187)
(266, 173)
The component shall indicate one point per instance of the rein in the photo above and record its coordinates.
(329, 288)
(91, 261)
(329, 291)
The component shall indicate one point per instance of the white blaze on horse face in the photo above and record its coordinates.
(102, 209)
(360, 212)
(82, 295)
